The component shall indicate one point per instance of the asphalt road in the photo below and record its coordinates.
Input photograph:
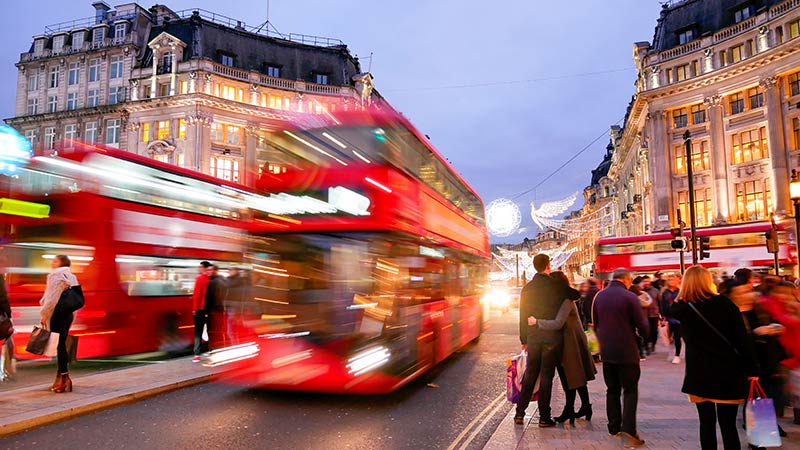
(457, 405)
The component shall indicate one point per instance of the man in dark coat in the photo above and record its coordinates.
(617, 316)
(540, 298)
(214, 307)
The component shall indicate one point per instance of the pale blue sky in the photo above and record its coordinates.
(501, 138)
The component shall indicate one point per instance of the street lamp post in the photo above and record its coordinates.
(690, 175)
(794, 193)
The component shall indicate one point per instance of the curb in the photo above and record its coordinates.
(51, 415)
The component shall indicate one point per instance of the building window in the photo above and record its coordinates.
(737, 53)
(77, 41)
(695, 68)
(276, 102)
(38, 46)
(679, 118)
(112, 132)
(162, 129)
(163, 90)
(74, 74)
(91, 132)
(93, 98)
(58, 43)
(166, 63)
(98, 34)
(796, 132)
(71, 132)
(702, 205)
(52, 103)
(49, 137)
(685, 36)
(225, 168)
(33, 82)
(723, 58)
(119, 32)
(321, 78)
(116, 67)
(753, 200)
(184, 87)
(146, 132)
(700, 157)
(72, 101)
(226, 60)
(216, 132)
(94, 70)
(750, 145)
(274, 71)
(163, 157)
(736, 102)
(116, 95)
(30, 135)
(741, 14)
(232, 135)
(55, 74)
(228, 92)
(33, 106)
(180, 160)
(794, 83)
(682, 72)
(756, 97)
(181, 129)
(794, 29)
(698, 113)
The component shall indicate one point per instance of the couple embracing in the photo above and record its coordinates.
(551, 331)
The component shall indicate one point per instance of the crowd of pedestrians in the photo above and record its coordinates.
(735, 330)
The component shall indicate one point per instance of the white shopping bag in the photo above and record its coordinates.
(52, 345)
(205, 333)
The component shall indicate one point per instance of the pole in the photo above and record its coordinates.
(680, 227)
(690, 174)
(517, 285)
(777, 247)
(797, 228)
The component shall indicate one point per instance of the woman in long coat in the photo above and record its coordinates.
(576, 367)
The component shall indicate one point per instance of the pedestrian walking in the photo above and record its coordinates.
(658, 280)
(645, 300)
(576, 367)
(58, 321)
(719, 357)
(540, 298)
(198, 308)
(668, 296)
(653, 311)
(617, 316)
(8, 367)
(214, 307)
(588, 291)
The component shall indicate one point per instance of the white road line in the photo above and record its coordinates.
(481, 425)
(474, 421)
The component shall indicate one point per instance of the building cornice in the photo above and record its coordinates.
(71, 114)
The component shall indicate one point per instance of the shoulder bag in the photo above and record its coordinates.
(691, 305)
(71, 300)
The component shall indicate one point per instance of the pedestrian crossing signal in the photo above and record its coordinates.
(705, 247)
(772, 241)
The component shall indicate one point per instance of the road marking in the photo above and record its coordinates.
(480, 426)
(475, 420)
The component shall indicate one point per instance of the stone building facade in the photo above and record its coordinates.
(191, 88)
(728, 73)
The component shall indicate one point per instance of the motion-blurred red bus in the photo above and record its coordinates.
(371, 267)
(732, 246)
(135, 230)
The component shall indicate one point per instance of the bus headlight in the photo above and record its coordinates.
(367, 360)
(228, 355)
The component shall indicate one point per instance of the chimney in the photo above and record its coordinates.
(100, 11)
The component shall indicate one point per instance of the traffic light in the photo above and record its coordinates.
(678, 241)
(772, 240)
(705, 246)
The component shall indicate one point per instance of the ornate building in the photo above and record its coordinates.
(726, 72)
(191, 88)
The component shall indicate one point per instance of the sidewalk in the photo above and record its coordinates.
(666, 418)
(32, 406)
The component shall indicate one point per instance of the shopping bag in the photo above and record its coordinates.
(591, 340)
(793, 386)
(663, 333)
(204, 336)
(72, 348)
(42, 342)
(515, 369)
(762, 425)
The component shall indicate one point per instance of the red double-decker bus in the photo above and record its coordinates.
(732, 246)
(135, 230)
(370, 266)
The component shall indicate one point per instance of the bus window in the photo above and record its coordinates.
(150, 276)
(28, 263)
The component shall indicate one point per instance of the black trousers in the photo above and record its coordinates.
(60, 323)
(542, 360)
(712, 413)
(200, 321)
(675, 331)
(653, 331)
(622, 380)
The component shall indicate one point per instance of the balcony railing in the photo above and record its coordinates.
(85, 22)
(784, 7)
(68, 50)
(680, 50)
(731, 31)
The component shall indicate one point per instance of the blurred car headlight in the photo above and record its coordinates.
(498, 298)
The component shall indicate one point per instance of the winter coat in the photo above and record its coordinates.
(708, 357)
(617, 316)
(575, 358)
(58, 281)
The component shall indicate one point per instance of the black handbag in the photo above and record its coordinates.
(6, 327)
(71, 300)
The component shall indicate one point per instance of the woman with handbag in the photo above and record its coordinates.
(718, 349)
(7, 362)
(56, 320)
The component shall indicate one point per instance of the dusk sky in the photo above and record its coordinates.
(507, 91)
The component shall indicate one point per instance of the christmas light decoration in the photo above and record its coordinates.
(503, 217)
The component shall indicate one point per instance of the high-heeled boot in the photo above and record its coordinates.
(585, 411)
(65, 385)
(567, 414)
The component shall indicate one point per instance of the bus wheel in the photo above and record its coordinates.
(169, 339)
